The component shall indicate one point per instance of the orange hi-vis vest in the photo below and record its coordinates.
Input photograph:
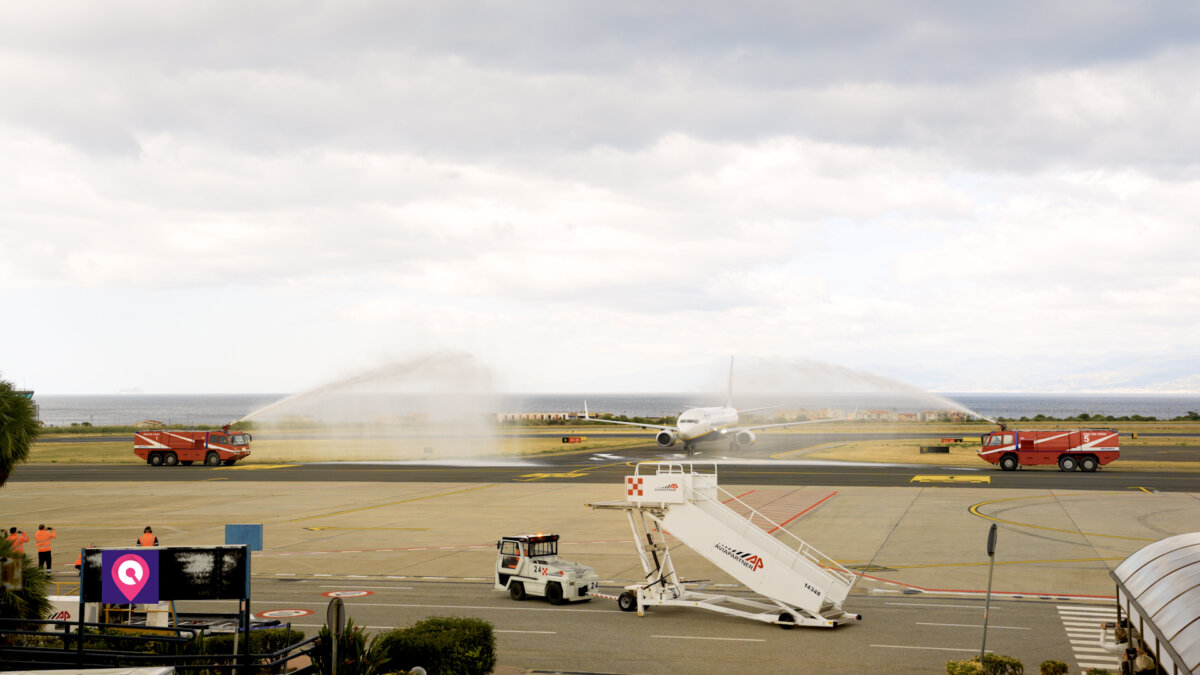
(147, 539)
(43, 538)
(18, 540)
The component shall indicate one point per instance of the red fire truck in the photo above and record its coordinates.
(185, 447)
(1083, 449)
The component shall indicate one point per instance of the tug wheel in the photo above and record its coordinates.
(787, 621)
(627, 601)
(554, 593)
(516, 591)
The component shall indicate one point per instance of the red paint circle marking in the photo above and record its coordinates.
(284, 613)
(347, 594)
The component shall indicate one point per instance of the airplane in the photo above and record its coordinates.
(711, 423)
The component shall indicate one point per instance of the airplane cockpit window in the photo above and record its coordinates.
(689, 421)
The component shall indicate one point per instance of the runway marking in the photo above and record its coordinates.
(933, 604)
(530, 632)
(1085, 640)
(254, 467)
(973, 625)
(404, 529)
(974, 510)
(1005, 562)
(950, 479)
(695, 637)
(399, 501)
(1146, 490)
(540, 476)
(939, 649)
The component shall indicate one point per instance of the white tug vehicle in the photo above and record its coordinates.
(528, 565)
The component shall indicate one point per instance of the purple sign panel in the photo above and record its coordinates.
(130, 576)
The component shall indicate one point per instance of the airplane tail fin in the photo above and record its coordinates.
(729, 390)
(585, 411)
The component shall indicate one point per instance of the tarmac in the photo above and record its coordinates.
(927, 540)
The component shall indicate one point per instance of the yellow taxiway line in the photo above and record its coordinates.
(974, 510)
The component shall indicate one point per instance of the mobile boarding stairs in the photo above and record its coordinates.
(798, 585)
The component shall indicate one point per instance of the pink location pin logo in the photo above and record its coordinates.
(130, 572)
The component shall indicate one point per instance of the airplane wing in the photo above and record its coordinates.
(587, 417)
(792, 424)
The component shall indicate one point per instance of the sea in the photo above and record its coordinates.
(214, 409)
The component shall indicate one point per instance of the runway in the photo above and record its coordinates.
(753, 468)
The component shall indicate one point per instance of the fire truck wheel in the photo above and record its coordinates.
(1088, 464)
(627, 601)
(787, 621)
(516, 591)
(554, 593)
(1008, 463)
(212, 459)
(170, 459)
(156, 459)
(1066, 463)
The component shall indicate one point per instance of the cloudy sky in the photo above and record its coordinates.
(609, 196)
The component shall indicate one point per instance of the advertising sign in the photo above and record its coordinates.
(129, 576)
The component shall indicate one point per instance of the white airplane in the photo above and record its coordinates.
(714, 423)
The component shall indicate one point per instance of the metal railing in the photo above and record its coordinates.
(709, 480)
(121, 645)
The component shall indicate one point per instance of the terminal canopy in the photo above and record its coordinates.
(1158, 588)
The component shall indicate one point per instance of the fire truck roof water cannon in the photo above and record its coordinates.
(1083, 449)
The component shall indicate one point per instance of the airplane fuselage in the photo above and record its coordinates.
(699, 423)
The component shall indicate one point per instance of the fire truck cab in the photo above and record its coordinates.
(528, 565)
(1083, 449)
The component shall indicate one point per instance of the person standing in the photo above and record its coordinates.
(42, 538)
(17, 538)
(147, 538)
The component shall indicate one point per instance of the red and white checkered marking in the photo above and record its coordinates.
(633, 486)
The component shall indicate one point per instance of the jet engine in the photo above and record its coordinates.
(665, 438)
(744, 438)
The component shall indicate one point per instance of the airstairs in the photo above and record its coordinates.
(798, 585)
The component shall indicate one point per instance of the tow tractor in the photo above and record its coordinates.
(528, 565)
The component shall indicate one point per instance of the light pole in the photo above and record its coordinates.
(987, 604)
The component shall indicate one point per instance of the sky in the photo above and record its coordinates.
(227, 197)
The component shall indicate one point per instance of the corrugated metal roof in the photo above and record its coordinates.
(1160, 586)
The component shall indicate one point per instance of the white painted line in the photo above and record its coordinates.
(533, 632)
(973, 625)
(694, 637)
(400, 588)
(1087, 608)
(938, 649)
(1094, 650)
(931, 604)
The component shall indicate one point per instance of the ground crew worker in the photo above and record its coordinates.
(147, 538)
(43, 536)
(17, 538)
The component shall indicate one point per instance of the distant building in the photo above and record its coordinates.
(535, 417)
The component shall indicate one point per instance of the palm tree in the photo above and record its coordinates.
(30, 602)
(18, 427)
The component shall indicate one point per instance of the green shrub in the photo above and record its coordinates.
(993, 664)
(1053, 667)
(442, 645)
(352, 651)
(1096, 671)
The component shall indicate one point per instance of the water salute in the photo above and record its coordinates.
(605, 339)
